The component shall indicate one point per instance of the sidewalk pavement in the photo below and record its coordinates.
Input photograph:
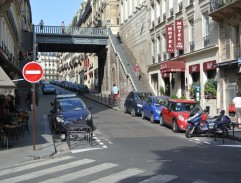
(23, 150)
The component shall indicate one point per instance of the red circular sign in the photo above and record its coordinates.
(33, 72)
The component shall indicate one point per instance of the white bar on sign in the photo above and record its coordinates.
(33, 72)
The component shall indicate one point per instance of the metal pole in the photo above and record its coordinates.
(33, 114)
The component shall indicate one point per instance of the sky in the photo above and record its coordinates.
(53, 12)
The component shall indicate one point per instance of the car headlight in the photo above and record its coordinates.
(88, 117)
(139, 105)
(60, 119)
(158, 111)
(180, 117)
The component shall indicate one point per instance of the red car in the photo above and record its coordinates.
(176, 112)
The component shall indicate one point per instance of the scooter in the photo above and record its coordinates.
(200, 123)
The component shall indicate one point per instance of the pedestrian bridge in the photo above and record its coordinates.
(73, 39)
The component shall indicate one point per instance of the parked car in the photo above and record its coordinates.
(66, 108)
(134, 101)
(82, 88)
(176, 112)
(152, 107)
(48, 89)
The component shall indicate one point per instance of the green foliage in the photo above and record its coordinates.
(210, 88)
(174, 97)
(162, 90)
(74, 21)
(183, 97)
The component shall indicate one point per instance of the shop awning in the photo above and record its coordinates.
(211, 65)
(5, 81)
(227, 64)
(194, 68)
(172, 66)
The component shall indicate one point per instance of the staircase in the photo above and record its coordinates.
(144, 82)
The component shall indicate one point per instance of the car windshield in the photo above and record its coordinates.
(142, 96)
(184, 106)
(48, 86)
(158, 101)
(71, 104)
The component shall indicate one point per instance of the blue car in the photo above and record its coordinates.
(152, 107)
(67, 108)
(134, 101)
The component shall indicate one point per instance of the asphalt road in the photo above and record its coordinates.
(129, 149)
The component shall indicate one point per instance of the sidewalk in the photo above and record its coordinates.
(23, 150)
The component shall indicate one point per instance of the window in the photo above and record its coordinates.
(206, 29)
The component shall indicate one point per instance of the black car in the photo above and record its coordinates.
(67, 108)
(134, 102)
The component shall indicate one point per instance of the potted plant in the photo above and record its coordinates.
(210, 88)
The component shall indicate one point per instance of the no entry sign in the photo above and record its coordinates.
(33, 72)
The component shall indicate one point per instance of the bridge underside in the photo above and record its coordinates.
(70, 43)
(47, 47)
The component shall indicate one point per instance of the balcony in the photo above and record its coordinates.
(221, 9)
(192, 46)
(171, 12)
(180, 6)
(206, 41)
(164, 17)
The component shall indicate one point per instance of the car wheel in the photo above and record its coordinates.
(133, 112)
(174, 126)
(162, 122)
(143, 115)
(152, 118)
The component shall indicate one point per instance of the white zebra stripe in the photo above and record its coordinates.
(118, 176)
(160, 179)
(47, 171)
(81, 173)
(30, 166)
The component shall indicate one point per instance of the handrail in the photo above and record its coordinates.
(87, 31)
(127, 67)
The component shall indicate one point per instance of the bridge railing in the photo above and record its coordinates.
(127, 67)
(87, 31)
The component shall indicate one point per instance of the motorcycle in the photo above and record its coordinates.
(200, 123)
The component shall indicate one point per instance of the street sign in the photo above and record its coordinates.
(33, 72)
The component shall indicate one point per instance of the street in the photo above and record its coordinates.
(130, 149)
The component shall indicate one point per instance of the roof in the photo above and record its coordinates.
(183, 101)
(65, 96)
(5, 81)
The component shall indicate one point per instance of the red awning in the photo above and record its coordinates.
(172, 66)
(194, 68)
(209, 65)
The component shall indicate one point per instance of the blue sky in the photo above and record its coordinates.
(53, 12)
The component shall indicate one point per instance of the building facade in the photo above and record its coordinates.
(15, 20)
(49, 62)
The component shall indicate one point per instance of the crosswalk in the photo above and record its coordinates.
(70, 169)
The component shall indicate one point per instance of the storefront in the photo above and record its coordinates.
(6, 84)
(173, 75)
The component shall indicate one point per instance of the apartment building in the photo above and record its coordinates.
(49, 62)
(15, 20)
(227, 14)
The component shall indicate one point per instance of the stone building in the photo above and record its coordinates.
(227, 15)
(15, 21)
(49, 62)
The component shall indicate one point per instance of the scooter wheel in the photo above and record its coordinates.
(189, 132)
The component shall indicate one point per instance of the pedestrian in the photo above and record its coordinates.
(63, 27)
(137, 71)
(115, 92)
(41, 24)
(118, 37)
(237, 104)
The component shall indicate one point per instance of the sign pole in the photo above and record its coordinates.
(33, 114)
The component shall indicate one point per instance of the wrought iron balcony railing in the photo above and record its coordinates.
(206, 41)
(217, 4)
(192, 46)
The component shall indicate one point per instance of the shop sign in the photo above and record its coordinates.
(194, 68)
(179, 34)
(170, 39)
(209, 65)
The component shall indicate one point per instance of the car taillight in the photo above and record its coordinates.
(204, 117)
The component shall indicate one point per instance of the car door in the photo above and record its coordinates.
(169, 113)
(128, 101)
